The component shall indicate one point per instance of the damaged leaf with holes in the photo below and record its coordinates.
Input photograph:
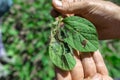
(76, 33)
(80, 34)
(61, 54)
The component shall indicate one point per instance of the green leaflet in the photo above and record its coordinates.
(77, 33)
(80, 34)
(60, 52)
(60, 57)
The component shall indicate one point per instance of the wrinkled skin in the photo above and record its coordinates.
(106, 18)
(89, 66)
(103, 14)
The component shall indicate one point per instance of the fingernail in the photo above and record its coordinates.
(57, 3)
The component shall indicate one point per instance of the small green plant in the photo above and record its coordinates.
(68, 34)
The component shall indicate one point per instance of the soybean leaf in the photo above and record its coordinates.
(61, 54)
(80, 34)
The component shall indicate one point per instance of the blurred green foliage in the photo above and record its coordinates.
(26, 36)
(26, 32)
(110, 50)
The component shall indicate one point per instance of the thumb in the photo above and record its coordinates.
(70, 7)
(57, 4)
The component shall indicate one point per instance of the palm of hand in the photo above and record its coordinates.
(89, 66)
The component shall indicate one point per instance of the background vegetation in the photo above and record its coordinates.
(26, 30)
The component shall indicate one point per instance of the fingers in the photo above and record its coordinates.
(88, 65)
(77, 72)
(91, 67)
(99, 62)
(69, 7)
(62, 75)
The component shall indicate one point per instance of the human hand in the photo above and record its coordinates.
(89, 66)
(103, 14)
